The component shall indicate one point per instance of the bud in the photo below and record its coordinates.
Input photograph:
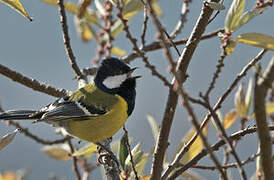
(239, 101)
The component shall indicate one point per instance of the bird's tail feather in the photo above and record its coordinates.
(17, 115)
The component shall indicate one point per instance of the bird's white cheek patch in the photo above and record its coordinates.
(114, 81)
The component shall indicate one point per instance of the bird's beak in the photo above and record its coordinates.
(131, 71)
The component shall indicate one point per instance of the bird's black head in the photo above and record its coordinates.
(112, 76)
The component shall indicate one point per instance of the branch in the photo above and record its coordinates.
(227, 166)
(63, 20)
(74, 159)
(156, 45)
(36, 138)
(261, 87)
(217, 106)
(236, 136)
(182, 66)
(32, 83)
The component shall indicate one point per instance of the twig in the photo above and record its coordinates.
(36, 138)
(107, 27)
(227, 166)
(171, 104)
(215, 147)
(72, 60)
(32, 83)
(199, 132)
(156, 45)
(180, 25)
(216, 73)
(261, 87)
(217, 106)
(226, 139)
(130, 154)
(144, 29)
(138, 51)
(74, 159)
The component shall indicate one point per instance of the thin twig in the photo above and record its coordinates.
(182, 66)
(130, 154)
(156, 45)
(72, 60)
(74, 159)
(138, 51)
(226, 139)
(236, 136)
(227, 166)
(144, 29)
(32, 83)
(217, 106)
(180, 25)
(36, 138)
(199, 132)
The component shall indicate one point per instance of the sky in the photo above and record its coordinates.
(36, 50)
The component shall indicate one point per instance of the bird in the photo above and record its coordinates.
(94, 112)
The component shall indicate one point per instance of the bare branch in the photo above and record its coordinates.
(182, 67)
(36, 138)
(74, 159)
(130, 154)
(32, 83)
(261, 87)
(72, 60)
(156, 45)
(236, 136)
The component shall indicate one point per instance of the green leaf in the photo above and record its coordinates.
(73, 8)
(87, 150)
(220, 115)
(258, 40)
(117, 51)
(17, 6)
(239, 100)
(234, 14)
(248, 95)
(5, 140)
(59, 152)
(83, 29)
(216, 6)
(247, 16)
(123, 152)
(141, 164)
(154, 127)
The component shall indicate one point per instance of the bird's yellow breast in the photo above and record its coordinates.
(100, 127)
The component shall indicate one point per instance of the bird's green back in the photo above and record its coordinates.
(90, 95)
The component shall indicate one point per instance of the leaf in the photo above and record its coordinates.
(145, 177)
(83, 29)
(72, 7)
(258, 40)
(230, 46)
(239, 101)
(100, 7)
(154, 127)
(194, 149)
(117, 51)
(17, 6)
(57, 152)
(87, 150)
(5, 140)
(248, 95)
(219, 114)
(136, 155)
(141, 165)
(269, 108)
(123, 152)
(233, 15)
(247, 16)
(216, 6)
(191, 175)
(230, 118)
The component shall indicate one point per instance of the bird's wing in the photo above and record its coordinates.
(81, 105)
